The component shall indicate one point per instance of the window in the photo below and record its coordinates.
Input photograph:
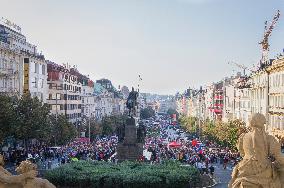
(35, 82)
(59, 87)
(58, 95)
(40, 83)
(43, 69)
(36, 68)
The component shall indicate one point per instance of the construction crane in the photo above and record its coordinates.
(267, 33)
(244, 68)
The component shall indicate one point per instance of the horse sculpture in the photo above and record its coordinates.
(132, 103)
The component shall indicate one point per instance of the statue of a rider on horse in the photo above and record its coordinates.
(132, 103)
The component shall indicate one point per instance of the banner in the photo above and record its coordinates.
(26, 75)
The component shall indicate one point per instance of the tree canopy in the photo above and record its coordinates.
(147, 113)
(27, 118)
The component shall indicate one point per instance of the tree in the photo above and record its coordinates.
(224, 133)
(7, 116)
(96, 128)
(62, 130)
(172, 111)
(32, 119)
(188, 123)
(147, 113)
(110, 124)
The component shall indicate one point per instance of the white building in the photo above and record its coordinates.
(22, 69)
(11, 70)
(276, 97)
(37, 76)
(244, 97)
(259, 92)
(209, 101)
(88, 100)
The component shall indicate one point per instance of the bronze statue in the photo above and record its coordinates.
(132, 103)
(262, 164)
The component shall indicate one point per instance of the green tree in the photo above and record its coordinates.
(62, 130)
(96, 128)
(189, 123)
(32, 119)
(224, 133)
(172, 111)
(110, 124)
(147, 113)
(7, 116)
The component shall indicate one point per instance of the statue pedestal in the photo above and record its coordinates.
(129, 149)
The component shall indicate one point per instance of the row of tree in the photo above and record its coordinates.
(224, 133)
(108, 126)
(26, 118)
(147, 112)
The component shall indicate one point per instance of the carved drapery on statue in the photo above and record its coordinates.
(262, 164)
(26, 178)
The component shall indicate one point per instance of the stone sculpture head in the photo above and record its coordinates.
(257, 121)
(1, 160)
(25, 166)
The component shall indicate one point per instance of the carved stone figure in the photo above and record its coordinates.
(27, 166)
(262, 164)
(7, 180)
(132, 103)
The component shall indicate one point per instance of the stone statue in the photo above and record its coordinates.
(132, 103)
(27, 166)
(7, 180)
(262, 164)
(141, 133)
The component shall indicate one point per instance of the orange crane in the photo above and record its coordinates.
(267, 33)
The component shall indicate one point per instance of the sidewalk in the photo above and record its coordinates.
(223, 176)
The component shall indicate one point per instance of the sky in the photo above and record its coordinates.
(172, 44)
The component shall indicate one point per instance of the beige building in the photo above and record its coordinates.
(259, 92)
(276, 97)
(64, 91)
(11, 70)
(243, 98)
(22, 69)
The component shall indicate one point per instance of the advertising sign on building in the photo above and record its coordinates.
(26, 75)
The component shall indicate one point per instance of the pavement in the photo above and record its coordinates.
(223, 176)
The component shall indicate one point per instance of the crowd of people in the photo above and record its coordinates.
(172, 143)
(101, 149)
(164, 141)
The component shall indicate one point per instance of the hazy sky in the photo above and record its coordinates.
(173, 44)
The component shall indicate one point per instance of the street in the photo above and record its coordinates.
(222, 176)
